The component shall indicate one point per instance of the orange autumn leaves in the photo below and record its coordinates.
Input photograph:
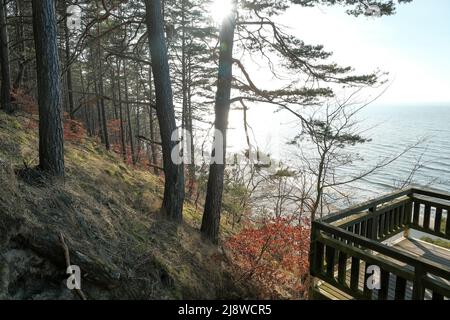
(274, 256)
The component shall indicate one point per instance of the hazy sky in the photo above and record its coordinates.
(413, 45)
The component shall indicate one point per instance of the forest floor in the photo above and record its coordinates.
(107, 213)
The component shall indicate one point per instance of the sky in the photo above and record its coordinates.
(413, 46)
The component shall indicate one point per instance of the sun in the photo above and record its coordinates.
(220, 9)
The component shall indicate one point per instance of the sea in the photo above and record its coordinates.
(419, 133)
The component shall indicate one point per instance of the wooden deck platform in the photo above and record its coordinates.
(416, 247)
(345, 244)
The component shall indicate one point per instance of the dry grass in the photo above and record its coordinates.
(108, 213)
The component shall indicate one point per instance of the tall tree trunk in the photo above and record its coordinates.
(122, 130)
(114, 102)
(183, 63)
(96, 114)
(101, 91)
(138, 126)
(99, 132)
(184, 78)
(211, 217)
(319, 186)
(190, 129)
(68, 63)
(114, 94)
(152, 125)
(104, 118)
(21, 61)
(127, 103)
(51, 135)
(85, 107)
(174, 174)
(4, 57)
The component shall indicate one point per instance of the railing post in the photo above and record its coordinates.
(419, 289)
(312, 248)
(407, 233)
(312, 258)
(374, 226)
(329, 239)
(408, 217)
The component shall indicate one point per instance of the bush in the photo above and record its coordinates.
(274, 256)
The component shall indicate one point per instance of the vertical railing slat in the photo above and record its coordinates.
(392, 225)
(397, 218)
(354, 274)
(374, 224)
(447, 227)
(330, 255)
(364, 228)
(384, 285)
(369, 233)
(416, 213)
(342, 268)
(402, 209)
(437, 220)
(408, 213)
(427, 217)
(367, 291)
(318, 257)
(437, 296)
(419, 289)
(381, 226)
(400, 288)
(357, 229)
(387, 223)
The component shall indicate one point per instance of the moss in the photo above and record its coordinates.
(191, 215)
(15, 124)
(109, 172)
(438, 242)
(443, 223)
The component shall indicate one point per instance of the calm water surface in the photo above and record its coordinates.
(394, 129)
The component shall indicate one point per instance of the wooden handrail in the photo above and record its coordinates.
(370, 214)
(431, 192)
(430, 266)
(365, 206)
(431, 200)
(358, 232)
(366, 256)
(428, 201)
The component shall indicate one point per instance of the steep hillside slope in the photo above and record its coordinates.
(107, 214)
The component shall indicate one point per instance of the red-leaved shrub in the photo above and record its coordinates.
(273, 256)
(74, 131)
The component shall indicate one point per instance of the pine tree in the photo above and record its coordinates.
(254, 25)
(5, 66)
(174, 176)
(213, 204)
(51, 136)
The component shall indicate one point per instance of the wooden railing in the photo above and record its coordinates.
(429, 206)
(346, 244)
